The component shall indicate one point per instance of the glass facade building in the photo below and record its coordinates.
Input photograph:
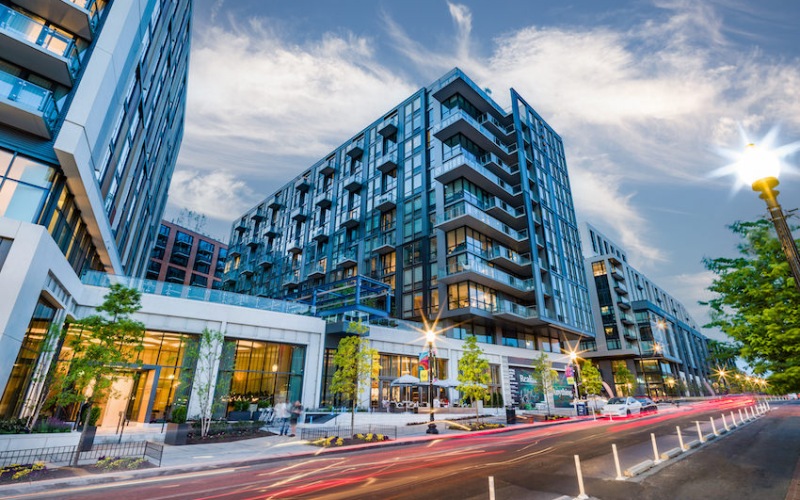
(462, 209)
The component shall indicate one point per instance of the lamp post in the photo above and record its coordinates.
(431, 337)
(760, 168)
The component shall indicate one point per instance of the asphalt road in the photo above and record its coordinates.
(755, 461)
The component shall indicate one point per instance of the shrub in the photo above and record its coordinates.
(94, 416)
(117, 463)
(52, 425)
(12, 426)
(22, 471)
(178, 415)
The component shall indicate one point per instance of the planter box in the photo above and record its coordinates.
(177, 434)
(86, 443)
(240, 415)
(10, 442)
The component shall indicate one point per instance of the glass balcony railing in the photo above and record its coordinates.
(465, 208)
(37, 33)
(471, 263)
(30, 96)
(504, 306)
(458, 114)
(471, 161)
(96, 278)
(501, 252)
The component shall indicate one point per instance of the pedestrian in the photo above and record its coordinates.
(297, 410)
(282, 414)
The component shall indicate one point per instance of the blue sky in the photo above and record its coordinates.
(644, 94)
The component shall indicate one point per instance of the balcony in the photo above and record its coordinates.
(266, 259)
(246, 269)
(469, 267)
(505, 212)
(499, 167)
(465, 213)
(386, 243)
(38, 48)
(181, 249)
(76, 16)
(630, 336)
(347, 259)
(387, 162)
(317, 270)
(259, 215)
(539, 240)
(299, 214)
(235, 250)
(620, 288)
(616, 273)
(303, 184)
(320, 233)
(461, 122)
(295, 246)
(354, 182)
(293, 280)
(623, 304)
(26, 106)
(328, 167)
(241, 225)
(275, 204)
(388, 127)
(497, 127)
(516, 312)
(466, 165)
(324, 199)
(352, 218)
(386, 201)
(253, 243)
(272, 231)
(627, 319)
(518, 263)
(355, 149)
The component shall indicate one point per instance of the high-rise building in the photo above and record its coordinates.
(447, 207)
(183, 256)
(641, 328)
(92, 101)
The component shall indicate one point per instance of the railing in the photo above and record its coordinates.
(63, 455)
(468, 262)
(504, 306)
(389, 197)
(345, 431)
(459, 114)
(96, 278)
(499, 251)
(39, 34)
(30, 95)
(471, 161)
(465, 208)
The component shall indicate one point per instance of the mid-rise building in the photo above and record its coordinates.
(641, 328)
(92, 102)
(183, 256)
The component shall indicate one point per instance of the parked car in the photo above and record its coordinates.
(620, 407)
(648, 405)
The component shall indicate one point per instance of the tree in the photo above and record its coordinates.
(353, 362)
(757, 304)
(722, 355)
(473, 373)
(103, 344)
(545, 376)
(204, 356)
(625, 380)
(591, 380)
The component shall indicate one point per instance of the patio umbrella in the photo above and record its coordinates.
(445, 383)
(405, 381)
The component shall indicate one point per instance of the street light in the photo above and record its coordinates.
(760, 168)
(430, 335)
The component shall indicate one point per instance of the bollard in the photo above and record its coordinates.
(713, 427)
(725, 423)
(620, 477)
(582, 494)
(656, 458)
(741, 418)
(733, 420)
(491, 487)
(768, 408)
(680, 438)
(700, 432)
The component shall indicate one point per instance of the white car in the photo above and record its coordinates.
(620, 407)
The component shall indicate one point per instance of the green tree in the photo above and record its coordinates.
(545, 376)
(103, 344)
(625, 381)
(353, 362)
(591, 380)
(757, 304)
(722, 355)
(473, 373)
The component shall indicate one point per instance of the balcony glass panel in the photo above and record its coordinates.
(29, 95)
(50, 39)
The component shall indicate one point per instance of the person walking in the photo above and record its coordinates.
(297, 410)
(282, 415)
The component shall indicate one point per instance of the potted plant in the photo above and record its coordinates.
(241, 410)
(87, 439)
(177, 428)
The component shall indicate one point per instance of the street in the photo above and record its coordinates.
(755, 461)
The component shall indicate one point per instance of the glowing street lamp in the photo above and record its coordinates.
(760, 168)
(430, 336)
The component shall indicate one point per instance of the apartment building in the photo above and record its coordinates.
(92, 103)
(183, 256)
(641, 328)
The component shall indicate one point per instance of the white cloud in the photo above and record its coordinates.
(219, 195)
